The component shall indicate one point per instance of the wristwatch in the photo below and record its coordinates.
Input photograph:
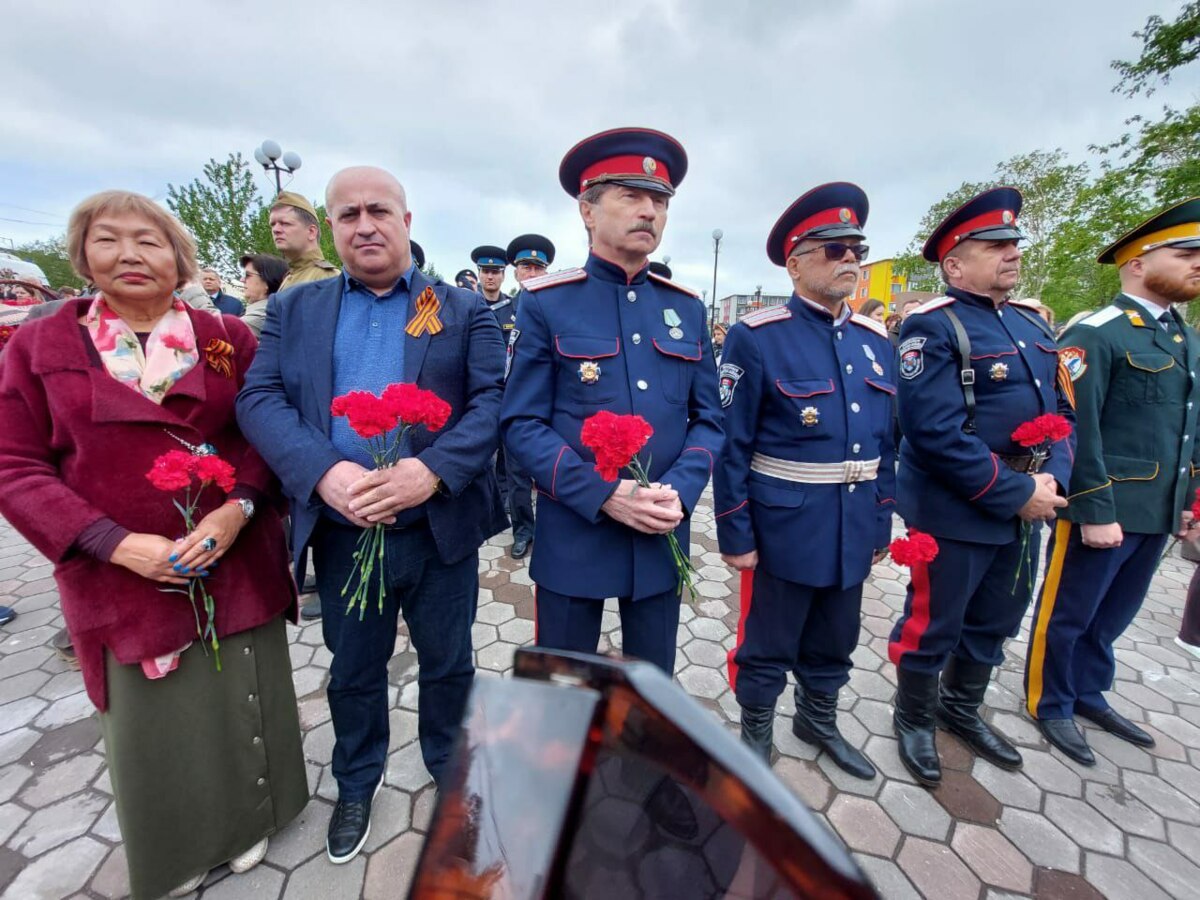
(246, 506)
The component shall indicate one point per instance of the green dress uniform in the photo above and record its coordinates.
(310, 266)
(1133, 367)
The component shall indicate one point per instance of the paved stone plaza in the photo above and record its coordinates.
(1128, 828)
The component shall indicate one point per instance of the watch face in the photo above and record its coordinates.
(247, 508)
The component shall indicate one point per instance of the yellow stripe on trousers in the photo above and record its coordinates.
(1037, 641)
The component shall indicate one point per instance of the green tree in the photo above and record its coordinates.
(1165, 48)
(220, 210)
(51, 256)
(922, 274)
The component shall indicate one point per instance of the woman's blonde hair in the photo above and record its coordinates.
(107, 202)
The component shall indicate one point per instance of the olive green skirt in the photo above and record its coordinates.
(204, 764)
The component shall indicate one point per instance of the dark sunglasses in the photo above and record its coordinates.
(835, 250)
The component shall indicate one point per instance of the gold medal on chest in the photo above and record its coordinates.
(810, 416)
(589, 371)
(998, 372)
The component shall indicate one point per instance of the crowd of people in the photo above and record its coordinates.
(794, 424)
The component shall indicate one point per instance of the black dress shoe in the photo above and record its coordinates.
(312, 609)
(349, 828)
(815, 722)
(961, 693)
(520, 548)
(916, 697)
(1115, 723)
(1066, 736)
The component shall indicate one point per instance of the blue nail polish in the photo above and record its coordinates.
(203, 573)
(185, 570)
(173, 557)
(177, 567)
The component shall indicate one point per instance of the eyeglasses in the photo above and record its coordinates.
(835, 250)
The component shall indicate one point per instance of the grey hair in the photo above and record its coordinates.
(592, 195)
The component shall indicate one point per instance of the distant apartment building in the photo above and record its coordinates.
(731, 309)
(879, 280)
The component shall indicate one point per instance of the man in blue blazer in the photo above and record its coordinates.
(371, 327)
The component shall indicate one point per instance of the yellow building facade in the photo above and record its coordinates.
(879, 280)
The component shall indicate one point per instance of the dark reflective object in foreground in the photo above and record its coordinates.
(594, 779)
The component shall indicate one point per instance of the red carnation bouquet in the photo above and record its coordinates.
(175, 471)
(1037, 435)
(383, 421)
(615, 441)
(915, 549)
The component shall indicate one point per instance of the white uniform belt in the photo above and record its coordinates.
(845, 472)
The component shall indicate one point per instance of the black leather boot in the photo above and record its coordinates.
(916, 698)
(963, 686)
(815, 722)
(757, 730)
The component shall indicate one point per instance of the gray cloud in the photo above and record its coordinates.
(473, 104)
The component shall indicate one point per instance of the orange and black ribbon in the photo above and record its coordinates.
(219, 355)
(426, 319)
(1065, 384)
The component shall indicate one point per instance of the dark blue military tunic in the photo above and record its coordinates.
(952, 482)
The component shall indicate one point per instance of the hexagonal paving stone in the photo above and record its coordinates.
(805, 781)
(59, 873)
(483, 634)
(62, 779)
(936, 870)
(703, 682)
(494, 613)
(914, 810)
(318, 880)
(706, 653)
(863, 825)
(1009, 787)
(390, 869)
(1040, 840)
(518, 631)
(58, 823)
(498, 656)
(1120, 880)
(1082, 822)
(887, 878)
(708, 629)
(992, 857)
(1125, 810)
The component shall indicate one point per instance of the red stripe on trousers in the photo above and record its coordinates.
(918, 618)
(747, 597)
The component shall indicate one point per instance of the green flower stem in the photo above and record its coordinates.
(686, 572)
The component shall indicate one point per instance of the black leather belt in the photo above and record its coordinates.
(1026, 464)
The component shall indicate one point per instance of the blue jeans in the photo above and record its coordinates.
(648, 625)
(438, 602)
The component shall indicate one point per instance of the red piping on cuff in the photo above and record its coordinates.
(995, 475)
(554, 475)
(731, 511)
(704, 450)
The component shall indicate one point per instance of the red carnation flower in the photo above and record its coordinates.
(177, 342)
(415, 406)
(918, 547)
(213, 469)
(172, 471)
(614, 440)
(1045, 429)
(367, 414)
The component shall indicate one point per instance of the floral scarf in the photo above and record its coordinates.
(169, 355)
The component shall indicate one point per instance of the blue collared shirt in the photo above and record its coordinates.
(368, 352)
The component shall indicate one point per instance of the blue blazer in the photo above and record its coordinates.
(284, 408)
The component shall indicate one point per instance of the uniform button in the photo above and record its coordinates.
(1189, 404)
(839, 334)
(261, 782)
(1021, 344)
(854, 407)
(851, 488)
(642, 385)
(250, 698)
(849, 369)
(1184, 469)
(1037, 381)
(245, 651)
(1187, 437)
(631, 296)
(257, 740)
(856, 448)
(637, 338)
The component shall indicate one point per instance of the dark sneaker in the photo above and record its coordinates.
(312, 608)
(349, 828)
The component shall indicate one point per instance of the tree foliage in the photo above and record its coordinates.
(51, 257)
(1165, 48)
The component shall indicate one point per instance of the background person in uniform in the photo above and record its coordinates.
(805, 485)
(1137, 398)
(492, 263)
(262, 274)
(466, 280)
(297, 235)
(964, 480)
(362, 331)
(418, 255)
(529, 255)
(90, 397)
(612, 336)
(228, 304)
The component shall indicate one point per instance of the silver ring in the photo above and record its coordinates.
(209, 544)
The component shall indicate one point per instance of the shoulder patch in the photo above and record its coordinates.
(566, 276)
(671, 284)
(1105, 315)
(1074, 360)
(931, 305)
(869, 323)
(763, 316)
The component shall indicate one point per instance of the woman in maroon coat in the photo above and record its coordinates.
(204, 763)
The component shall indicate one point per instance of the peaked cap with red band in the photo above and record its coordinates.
(990, 216)
(834, 210)
(638, 157)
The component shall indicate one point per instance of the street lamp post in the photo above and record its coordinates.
(716, 236)
(273, 159)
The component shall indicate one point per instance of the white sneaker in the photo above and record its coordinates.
(246, 861)
(188, 887)
(1190, 648)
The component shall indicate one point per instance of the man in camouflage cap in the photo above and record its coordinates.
(297, 233)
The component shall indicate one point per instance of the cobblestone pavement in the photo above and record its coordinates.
(1127, 828)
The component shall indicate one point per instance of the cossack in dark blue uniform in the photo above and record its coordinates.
(806, 479)
(593, 339)
(971, 372)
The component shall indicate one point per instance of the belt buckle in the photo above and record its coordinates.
(853, 470)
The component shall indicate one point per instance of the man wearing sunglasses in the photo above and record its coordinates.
(804, 486)
(973, 368)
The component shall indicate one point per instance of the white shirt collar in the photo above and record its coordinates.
(845, 314)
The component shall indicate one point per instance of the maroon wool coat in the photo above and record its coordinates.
(75, 445)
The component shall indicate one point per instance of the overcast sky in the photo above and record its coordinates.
(473, 104)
